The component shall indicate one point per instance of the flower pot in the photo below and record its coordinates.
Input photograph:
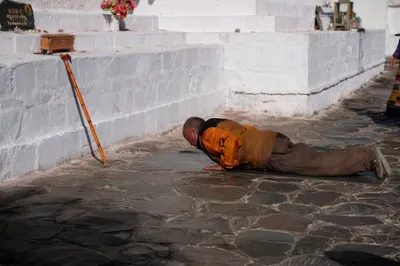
(114, 23)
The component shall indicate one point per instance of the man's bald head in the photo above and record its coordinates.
(191, 128)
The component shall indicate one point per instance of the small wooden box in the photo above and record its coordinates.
(57, 42)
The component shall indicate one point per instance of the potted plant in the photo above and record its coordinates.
(115, 11)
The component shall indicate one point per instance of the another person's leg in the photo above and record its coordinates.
(302, 159)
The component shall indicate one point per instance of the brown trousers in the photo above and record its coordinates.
(302, 159)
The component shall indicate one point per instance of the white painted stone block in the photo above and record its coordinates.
(24, 81)
(6, 87)
(50, 151)
(7, 43)
(332, 56)
(20, 160)
(231, 23)
(393, 26)
(391, 44)
(71, 145)
(195, 8)
(173, 113)
(10, 125)
(285, 8)
(338, 62)
(372, 48)
(374, 14)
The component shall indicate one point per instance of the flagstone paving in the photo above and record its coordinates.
(155, 206)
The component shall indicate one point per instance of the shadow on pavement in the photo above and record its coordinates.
(358, 258)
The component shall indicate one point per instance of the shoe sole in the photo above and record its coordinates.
(386, 167)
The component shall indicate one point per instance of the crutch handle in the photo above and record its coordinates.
(66, 57)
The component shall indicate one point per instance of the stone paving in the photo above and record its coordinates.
(155, 206)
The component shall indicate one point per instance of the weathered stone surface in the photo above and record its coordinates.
(224, 181)
(214, 193)
(321, 198)
(167, 236)
(357, 208)
(37, 230)
(349, 220)
(297, 209)
(258, 243)
(278, 187)
(214, 224)
(266, 198)
(331, 231)
(310, 245)
(166, 205)
(60, 253)
(146, 254)
(340, 187)
(239, 209)
(286, 222)
(11, 194)
(111, 221)
(210, 256)
(48, 212)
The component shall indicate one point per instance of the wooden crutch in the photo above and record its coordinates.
(66, 58)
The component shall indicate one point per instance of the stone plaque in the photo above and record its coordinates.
(14, 14)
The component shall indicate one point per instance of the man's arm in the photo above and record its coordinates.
(222, 144)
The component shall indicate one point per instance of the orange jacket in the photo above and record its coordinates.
(232, 145)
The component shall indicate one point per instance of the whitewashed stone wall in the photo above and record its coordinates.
(127, 94)
(334, 64)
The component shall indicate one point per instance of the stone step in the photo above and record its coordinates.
(284, 9)
(135, 92)
(231, 23)
(53, 20)
(12, 43)
(161, 7)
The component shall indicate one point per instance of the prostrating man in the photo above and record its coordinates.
(234, 146)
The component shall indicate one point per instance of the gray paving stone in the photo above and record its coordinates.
(214, 193)
(259, 244)
(358, 208)
(349, 220)
(321, 198)
(210, 256)
(288, 222)
(166, 205)
(331, 231)
(239, 209)
(214, 224)
(266, 198)
(297, 209)
(310, 245)
(278, 187)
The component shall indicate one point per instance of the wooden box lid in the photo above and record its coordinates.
(62, 35)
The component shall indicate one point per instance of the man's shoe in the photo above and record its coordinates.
(381, 165)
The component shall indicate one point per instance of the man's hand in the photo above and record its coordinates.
(216, 167)
(393, 63)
